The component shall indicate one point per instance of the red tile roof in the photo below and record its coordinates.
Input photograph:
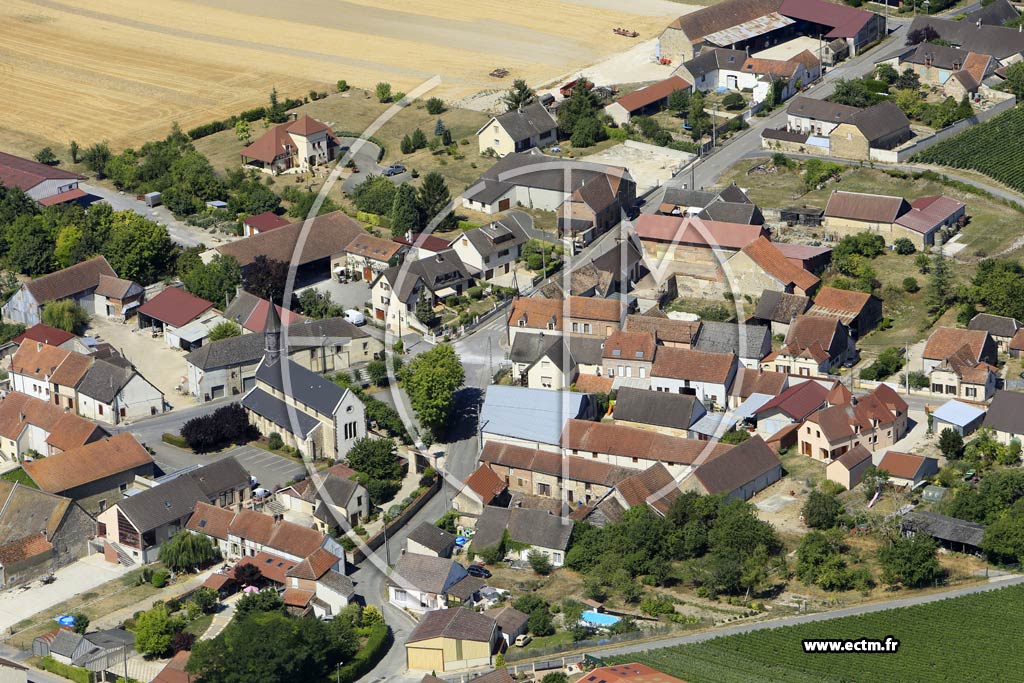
(318, 563)
(763, 253)
(592, 384)
(272, 567)
(798, 401)
(844, 304)
(945, 341)
(634, 346)
(902, 465)
(485, 483)
(278, 141)
(845, 21)
(294, 597)
(45, 334)
(266, 221)
(638, 99)
(538, 313)
(257, 320)
(860, 206)
(588, 437)
(175, 307)
(64, 197)
(697, 232)
(430, 243)
(697, 366)
(89, 463)
(26, 174)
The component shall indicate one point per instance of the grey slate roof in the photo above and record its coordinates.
(219, 476)
(494, 237)
(738, 467)
(995, 13)
(430, 536)
(744, 213)
(525, 122)
(683, 197)
(105, 378)
(425, 572)
(998, 41)
(305, 386)
(533, 527)
(339, 583)
(65, 643)
(457, 623)
(944, 528)
(745, 341)
(820, 110)
(1006, 412)
(162, 504)
(274, 409)
(996, 325)
(437, 271)
(514, 170)
(466, 587)
(880, 120)
(713, 60)
(780, 307)
(677, 411)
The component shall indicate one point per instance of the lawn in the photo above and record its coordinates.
(19, 476)
(199, 626)
(992, 226)
(924, 632)
(354, 111)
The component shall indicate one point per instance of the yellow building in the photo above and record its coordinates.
(450, 640)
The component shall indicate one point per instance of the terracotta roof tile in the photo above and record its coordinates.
(372, 247)
(328, 235)
(592, 384)
(664, 329)
(546, 462)
(763, 253)
(865, 207)
(485, 483)
(45, 334)
(266, 221)
(843, 301)
(89, 463)
(210, 520)
(272, 567)
(175, 307)
(587, 437)
(945, 341)
(798, 401)
(697, 232)
(538, 313)
(697, 366)
(902, 465)
(638, 99)
(318, 563)
(635, 346)
(749, 382)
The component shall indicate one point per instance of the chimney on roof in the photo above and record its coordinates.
(39, 346)
(21, 416)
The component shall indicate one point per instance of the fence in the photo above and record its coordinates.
(359, 554)
(643, 634)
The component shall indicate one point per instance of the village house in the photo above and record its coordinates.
(594, 196)
(859, 311)
(420, 583)
(849, 213)
(48, 185)
(777, 310)
(518, 130)
(611, 269)
(749, 343)
(749, 382)
(848, 469)
(814, 347)
(760, 265)
(752, 25)
(450, 640)
(944, 342)
(683, 245)
(300, 145)
(536, 472)
(113, 391)
(397, 291)
(132, 530)
(95, 475)
(33, 427)
(654, 487)
(975, 35)
(367, 256)
(540, 361)
(839, 130)
(310, 413)
(39, 533)
(666, 331)
(249, 312)
(46, 335)
(1005, 417)
(876, 420)
(731, 205)
(812, 259)
(262, 222)
(739, 473)
(91, 284)
(960, 375)
(792, 406)
(227, 367)
(706, 375)
(1001, 328)
(482, 488)
(597, 318)
(962, 418)
(511, 623)
(491, 250)
(48, 373)
(529, 530)
(647, 100)
(907, 469)
(956, 72)
(183, 319)
(633, 447)
(672, 414)
(531, 417)
(332, 499)
(717, 68)
(628, 355)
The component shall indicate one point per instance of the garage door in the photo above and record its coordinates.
(504, 204)
(217, 391)
(248, 383)
(425, 659)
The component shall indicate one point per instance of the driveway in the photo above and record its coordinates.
(269, 469)
(345, 294)
(79, 577)
(365, 156)
(185, 235)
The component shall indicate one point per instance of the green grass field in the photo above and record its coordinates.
(972, 638)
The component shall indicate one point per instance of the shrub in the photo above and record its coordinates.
(733, 101)
(73, 673)
(910, 285)
(475, 292)
(435, 106)
(904, 246)
(274, 441)
(226, 425)
(182, 640)
(160, 578)
(342, 86)
(378, 641)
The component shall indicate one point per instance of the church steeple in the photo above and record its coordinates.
(272, 335)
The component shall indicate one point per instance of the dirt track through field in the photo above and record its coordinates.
(123, 70)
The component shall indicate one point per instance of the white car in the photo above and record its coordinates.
(355, 317)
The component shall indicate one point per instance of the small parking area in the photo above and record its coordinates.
(345, 294)
(160, 364)
(269, 469)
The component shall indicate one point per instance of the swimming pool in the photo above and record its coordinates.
(598, 618)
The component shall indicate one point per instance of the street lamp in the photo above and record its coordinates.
(387, 550)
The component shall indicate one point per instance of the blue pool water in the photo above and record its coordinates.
(598, 619)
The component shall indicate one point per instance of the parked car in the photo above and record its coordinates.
(523, 640)
(478, 571)
(355, 317)
(394, 169)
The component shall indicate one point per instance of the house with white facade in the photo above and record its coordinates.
(113, 391)
(420, 583)
(518, 130)
(297, 145)
(704, 374)
(491, 250)
(91, 284)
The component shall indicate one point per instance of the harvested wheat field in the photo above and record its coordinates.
(123, 70)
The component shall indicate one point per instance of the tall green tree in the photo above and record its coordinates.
(266, 278)
(431, 380)
(405, 211)
(215, 281)
(96, 157)
(434, 199)
(940, 283)
(519, 95)
(187, 551)
(65, 315)
(699, 120)
(821, 510)
(224, 330)
(30, 243)
(377, 458)
(154, 629)
(139, 249)
(911, 562)
(374, 195)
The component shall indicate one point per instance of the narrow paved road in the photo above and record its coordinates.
(180, 232)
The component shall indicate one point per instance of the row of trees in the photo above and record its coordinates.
(407, 209)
